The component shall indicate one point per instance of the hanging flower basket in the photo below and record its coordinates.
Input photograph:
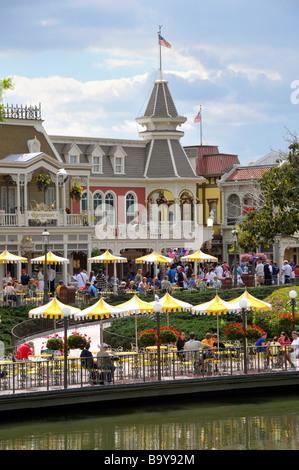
(76, 192)
(42, 181)
(77, 341)
(161, 200)
(55, 343)
(168, 335)
(246, 257)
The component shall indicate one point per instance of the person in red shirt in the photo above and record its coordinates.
(284, 339)
(25, 350)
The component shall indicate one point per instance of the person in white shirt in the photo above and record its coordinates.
(291, 357)
(287, 270)
(219, 270)
(81, 278)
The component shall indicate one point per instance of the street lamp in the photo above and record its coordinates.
(293, 295)
(65, 312)
(158, 309)
(243, 305)
(45, 237)
(235, 238)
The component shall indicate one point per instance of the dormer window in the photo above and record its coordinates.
(119, 165)
(117, 157)
(72, 154)
(97, 165)
(73, 159)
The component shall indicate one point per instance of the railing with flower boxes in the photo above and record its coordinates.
(46, 372)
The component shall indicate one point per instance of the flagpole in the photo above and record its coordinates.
(200, 126)
(160, 53)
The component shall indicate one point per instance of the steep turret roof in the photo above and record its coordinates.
(165, 157)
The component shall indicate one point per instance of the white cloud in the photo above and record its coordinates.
(253, 74)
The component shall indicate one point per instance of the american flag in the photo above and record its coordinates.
(197, 117)
(163, 41)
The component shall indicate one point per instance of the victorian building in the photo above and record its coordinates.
(137, 195)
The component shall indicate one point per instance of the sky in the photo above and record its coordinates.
(92, 63)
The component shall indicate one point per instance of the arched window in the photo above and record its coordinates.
(84, 201)
(110, 209)
(130, 207)
(233, 209)
(98, 205)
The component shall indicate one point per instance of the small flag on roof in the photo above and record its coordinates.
(163, 41)
(197, 117)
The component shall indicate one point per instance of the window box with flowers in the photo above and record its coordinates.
(42, 181)
(76, 192)
(77, 341)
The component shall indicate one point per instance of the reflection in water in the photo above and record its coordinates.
(267, 425)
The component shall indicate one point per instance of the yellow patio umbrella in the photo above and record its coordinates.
(136, 305)
(56, 309)
(170, 303)
(53, 309)
(252, 303)
(199, 256)
(216, 306)
(7, 257)
(107, 257)
(101, 310)
(154, 258)
(51, 259)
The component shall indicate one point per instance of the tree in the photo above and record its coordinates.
(279, 212)
(5, 84)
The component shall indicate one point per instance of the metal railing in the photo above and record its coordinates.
(45, 373)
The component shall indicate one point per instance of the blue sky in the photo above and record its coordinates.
(92, 63)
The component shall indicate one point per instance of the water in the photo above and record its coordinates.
(260, 423)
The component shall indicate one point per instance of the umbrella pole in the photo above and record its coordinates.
(101, 332)
(114, 281)
(136, 333)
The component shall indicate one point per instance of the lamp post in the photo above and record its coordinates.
(45, 236)
(158, 309)
(235, 238)
(243, 305)
(65, 312)
(293, 295)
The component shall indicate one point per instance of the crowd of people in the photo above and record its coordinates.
(282, 348)
(268, 272)
(208, 276)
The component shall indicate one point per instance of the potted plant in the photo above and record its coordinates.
(76, 192)
(42, 181)
(77, 341)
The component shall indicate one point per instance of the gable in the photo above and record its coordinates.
(14, 140)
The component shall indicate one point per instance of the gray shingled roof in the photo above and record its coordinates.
(167, 159)
(161, 103)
